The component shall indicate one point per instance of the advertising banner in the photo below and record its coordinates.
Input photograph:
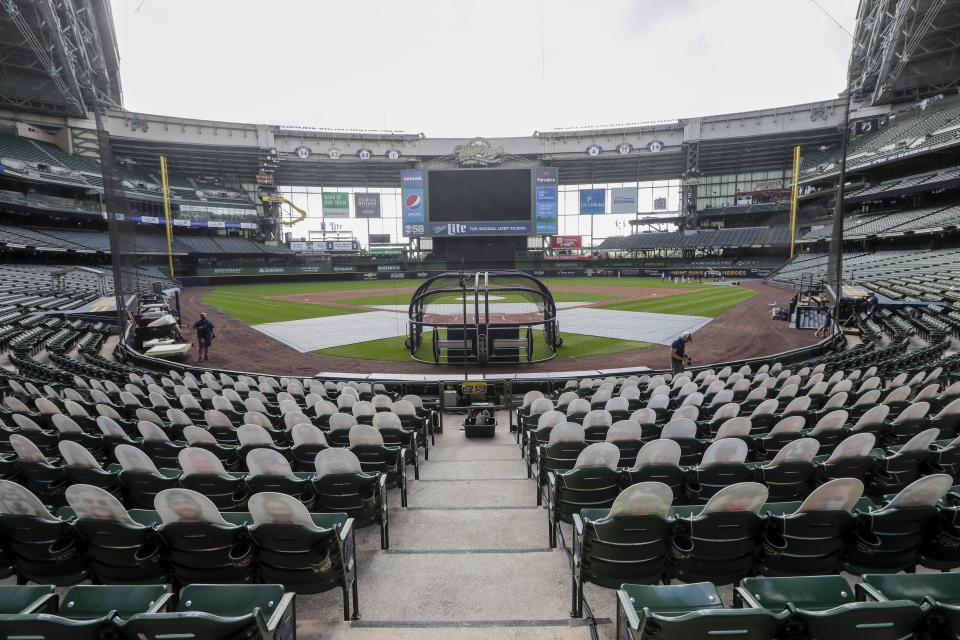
(412, 203)
(379, 238)
(336, 205)
(505, 228)
(546, 200)
(623, 200)
(342, 245)
(324, 246)
(592, 201)
(566, 242)
(366, 205)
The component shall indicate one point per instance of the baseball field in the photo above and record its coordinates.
(366, 319)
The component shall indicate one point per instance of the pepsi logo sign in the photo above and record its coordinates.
(413, 203)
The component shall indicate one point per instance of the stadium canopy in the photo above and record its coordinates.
(58, 58)
(905, 49)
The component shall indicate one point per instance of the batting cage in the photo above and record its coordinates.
(483, 317)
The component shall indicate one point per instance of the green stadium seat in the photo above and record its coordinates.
(219, 612)
(810, 538)
(588, 485)
(140, 487)
(890, 539)
(815, 593)
(940, 591)
(941, 549)
(824, 607)
(705, 480)
(121, 552)
(658, 461)
(688, 612)
(88, 602)
(718, 543)
(894, 472)
(86, 612)
(630, 541)
(895, 620)
(27, 599)
(210, 547)
(44, 549)
(560, 453)
(306, 557)
(343, 487)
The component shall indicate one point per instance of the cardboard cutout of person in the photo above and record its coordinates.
(134, 459)
(743, 496)
(598, 454)
(75, 454)
(307, 434)
(658, 452)
(251, 435)
(725, 451)
(566, 432)
(336, 461)
(840, 494)
(268, 507)
(17, 500)
(195, 435)
(858, 445)
(200, 462)
(151, 432)
(643, 499)
(184, 505)
(25, 449)
(624, 431)
(679, 428)
(94, 503)
(267, 462)
(363, 435)
(923, 492)
(802, 450)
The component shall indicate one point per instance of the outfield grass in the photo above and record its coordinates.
(255, 303)
(393, 349)
(707, 301)
(258, 309)
(403, 298)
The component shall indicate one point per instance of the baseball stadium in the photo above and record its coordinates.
(671, 379)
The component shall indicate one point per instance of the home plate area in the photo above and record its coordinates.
(334, 331)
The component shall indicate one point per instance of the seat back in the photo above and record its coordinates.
(804, 592)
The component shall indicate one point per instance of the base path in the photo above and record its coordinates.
(744, 331)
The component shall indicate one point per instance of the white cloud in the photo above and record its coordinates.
(475, 68)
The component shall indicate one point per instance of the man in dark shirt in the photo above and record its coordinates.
(827, 321)
(872, 304)
(204, 336)
(678, 352)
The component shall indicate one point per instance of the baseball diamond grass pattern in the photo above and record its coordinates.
(393, 349)
(708, 302)
(259, 309)
(259, 303)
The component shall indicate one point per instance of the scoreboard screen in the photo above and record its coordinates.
(479, 202)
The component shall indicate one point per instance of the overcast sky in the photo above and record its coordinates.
(466, 68)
